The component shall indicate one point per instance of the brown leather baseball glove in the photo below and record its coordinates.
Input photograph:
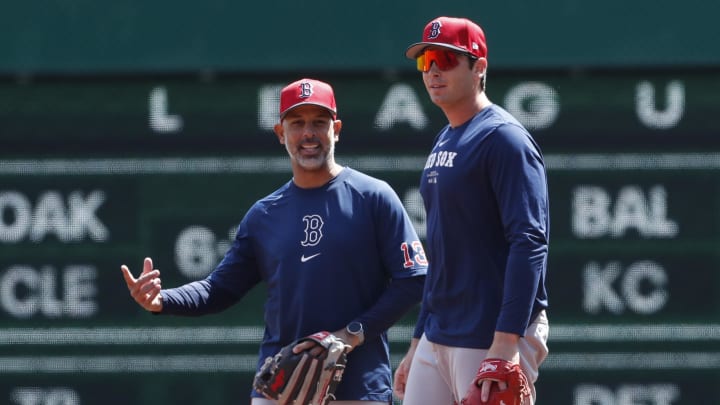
(303, 378)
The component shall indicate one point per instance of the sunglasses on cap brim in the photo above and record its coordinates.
(444, 59)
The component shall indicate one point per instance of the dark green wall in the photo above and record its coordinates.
(632, 156)
(83, 36)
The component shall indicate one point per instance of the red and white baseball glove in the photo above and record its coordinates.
(516, 393)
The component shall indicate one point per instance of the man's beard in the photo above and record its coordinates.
(316, 162)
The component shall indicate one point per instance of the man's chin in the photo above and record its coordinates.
(311, 164)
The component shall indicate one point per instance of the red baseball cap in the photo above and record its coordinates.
(307, 92)
(458, 34)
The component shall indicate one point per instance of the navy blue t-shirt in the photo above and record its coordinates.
(326, 254)
(485, 192)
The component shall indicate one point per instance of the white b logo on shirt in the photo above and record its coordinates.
(313, 230)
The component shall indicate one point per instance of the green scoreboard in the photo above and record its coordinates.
(96, 173)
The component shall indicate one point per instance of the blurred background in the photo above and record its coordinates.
(132, 129)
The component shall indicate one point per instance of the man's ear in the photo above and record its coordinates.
(481, 66)
(337, 126)
(279, 132)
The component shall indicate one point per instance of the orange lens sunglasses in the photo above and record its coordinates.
(444, 60)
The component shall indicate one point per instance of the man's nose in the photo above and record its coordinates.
(308, 131)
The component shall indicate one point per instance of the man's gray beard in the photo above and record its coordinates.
(315, 163)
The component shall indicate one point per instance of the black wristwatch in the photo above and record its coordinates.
(356, 329)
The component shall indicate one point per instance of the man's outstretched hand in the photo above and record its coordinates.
(145, 289)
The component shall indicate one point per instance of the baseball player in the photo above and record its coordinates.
(334, 246)
(485, 192)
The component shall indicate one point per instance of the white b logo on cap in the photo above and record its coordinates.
(434, 30)
(305, 90)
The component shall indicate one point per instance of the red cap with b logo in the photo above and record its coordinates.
(307, 92)
(457, 34)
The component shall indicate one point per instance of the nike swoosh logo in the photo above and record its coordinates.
(441, 143)
(304, 259)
